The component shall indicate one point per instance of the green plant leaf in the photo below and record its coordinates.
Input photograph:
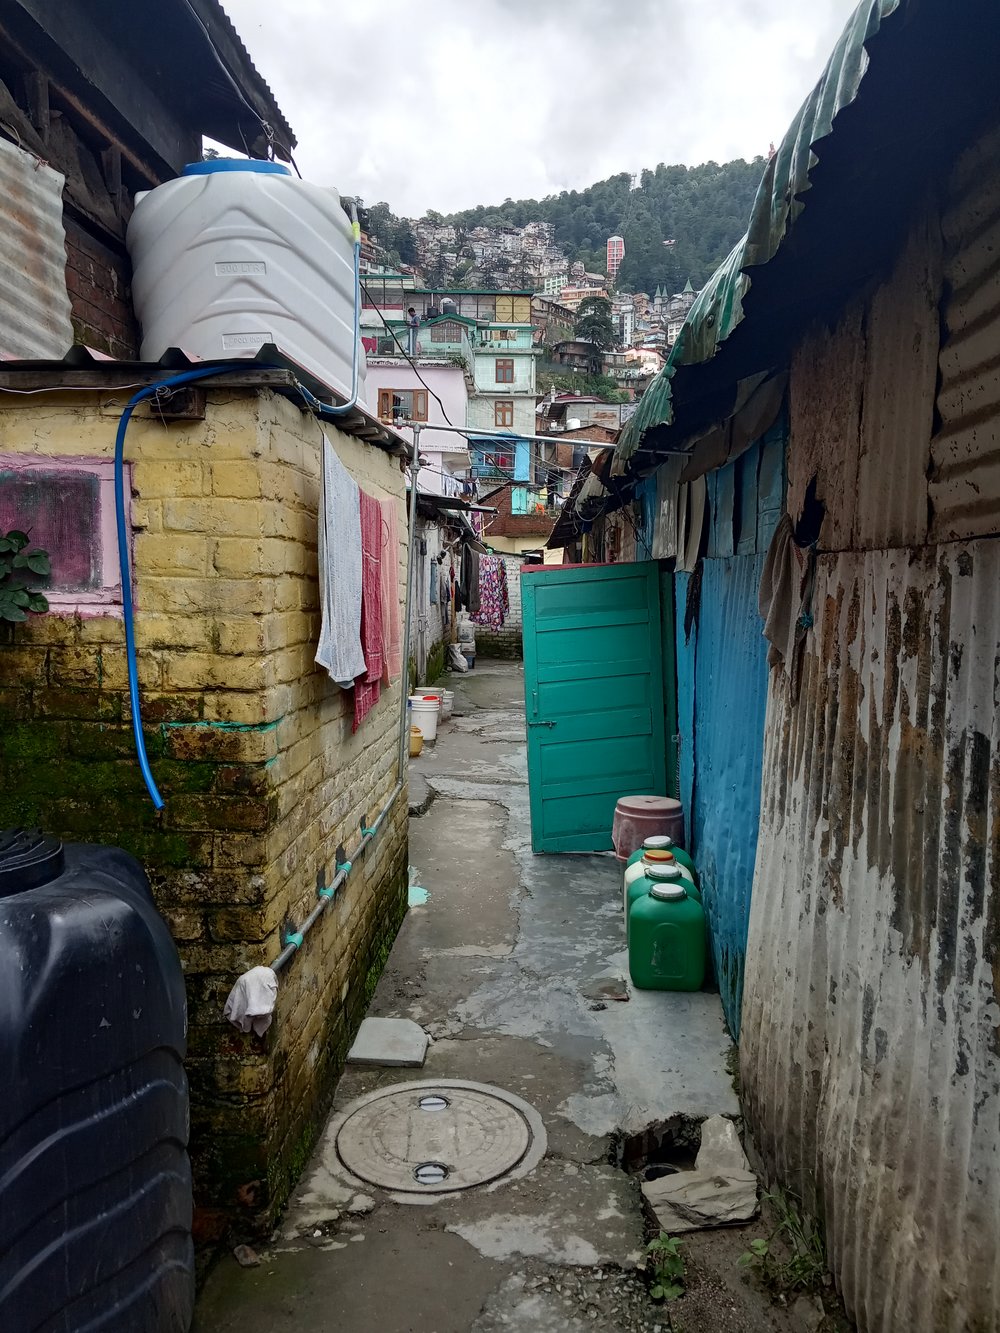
(19, 595)
(16, 540)
(672, 1291)
(37, 603)
(38, 562)
(657, 1292)
(8, 612)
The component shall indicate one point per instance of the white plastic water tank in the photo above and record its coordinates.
(574, 423)
(234, 254)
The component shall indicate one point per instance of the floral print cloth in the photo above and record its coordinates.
(494, 597)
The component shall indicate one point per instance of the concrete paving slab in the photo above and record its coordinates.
(494, 965)
(393, 1042)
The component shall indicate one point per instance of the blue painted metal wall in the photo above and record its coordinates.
(721, 698)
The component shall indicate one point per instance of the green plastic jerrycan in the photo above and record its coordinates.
(661, 872)
(666, 938)
(661, 843)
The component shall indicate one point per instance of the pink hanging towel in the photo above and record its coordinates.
(368, 686)
(391, 641)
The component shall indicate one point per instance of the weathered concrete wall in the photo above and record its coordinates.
(250, 743)
(427, 630)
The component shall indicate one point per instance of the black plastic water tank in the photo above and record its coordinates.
(95, 1181)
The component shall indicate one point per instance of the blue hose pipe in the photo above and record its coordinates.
(150, 391)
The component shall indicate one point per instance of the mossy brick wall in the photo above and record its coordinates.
(252, 748)
(505, 643)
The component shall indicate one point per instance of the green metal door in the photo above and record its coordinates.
(594, 697)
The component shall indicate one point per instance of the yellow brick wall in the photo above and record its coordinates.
(250, 742)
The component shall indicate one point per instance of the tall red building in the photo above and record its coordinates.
(616, 253)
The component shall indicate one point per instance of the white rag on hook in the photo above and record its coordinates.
(251, 1002)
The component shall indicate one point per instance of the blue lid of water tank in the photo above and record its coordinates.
(235, 164)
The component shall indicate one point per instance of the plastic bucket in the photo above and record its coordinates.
(425, 716)
(641, 817)
(447, 703)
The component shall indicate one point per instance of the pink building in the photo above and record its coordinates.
(616, 253)
(396, 392)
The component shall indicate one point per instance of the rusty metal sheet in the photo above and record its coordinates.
(965, 453)
(862, 406)
(824, 401)
(902, 335)
(34, 302)
(871, 1014)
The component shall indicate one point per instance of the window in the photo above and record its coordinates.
(67, 507)
(448, 332)
(505, 370)
(402, 404)
(503, 412)
(492, 463)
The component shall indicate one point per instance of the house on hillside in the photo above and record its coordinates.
(484, 338)
(819, 466)
(578, 354)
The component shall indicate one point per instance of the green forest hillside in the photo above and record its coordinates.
(704, 210)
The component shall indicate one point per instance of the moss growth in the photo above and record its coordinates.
(435, 663)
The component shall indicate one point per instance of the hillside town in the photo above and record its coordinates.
(499, 709)
(503, 358)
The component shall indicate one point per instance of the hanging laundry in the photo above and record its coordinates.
(491, 611)
(504, 589)
(444, 591)
(368, 684)
(389, 573)
(339, 649)
(468, 580)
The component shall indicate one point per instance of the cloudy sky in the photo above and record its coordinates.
(449, 103)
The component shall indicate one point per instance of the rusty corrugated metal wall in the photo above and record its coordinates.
(871, 1016)
(871, 1020)
(861, 401)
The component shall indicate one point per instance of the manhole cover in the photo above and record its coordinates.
(427, 1138)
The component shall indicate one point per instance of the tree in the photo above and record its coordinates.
(593, 322)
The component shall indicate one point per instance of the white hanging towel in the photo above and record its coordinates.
(251, 1001)
(339, 649)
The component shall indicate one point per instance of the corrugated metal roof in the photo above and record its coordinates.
(34, 302)
(211, 13)
(719, 307)
(869, 1045)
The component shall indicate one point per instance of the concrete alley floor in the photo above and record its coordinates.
(502, 966)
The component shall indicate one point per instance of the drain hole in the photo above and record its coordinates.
(434, 1102)
(430, 1173)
